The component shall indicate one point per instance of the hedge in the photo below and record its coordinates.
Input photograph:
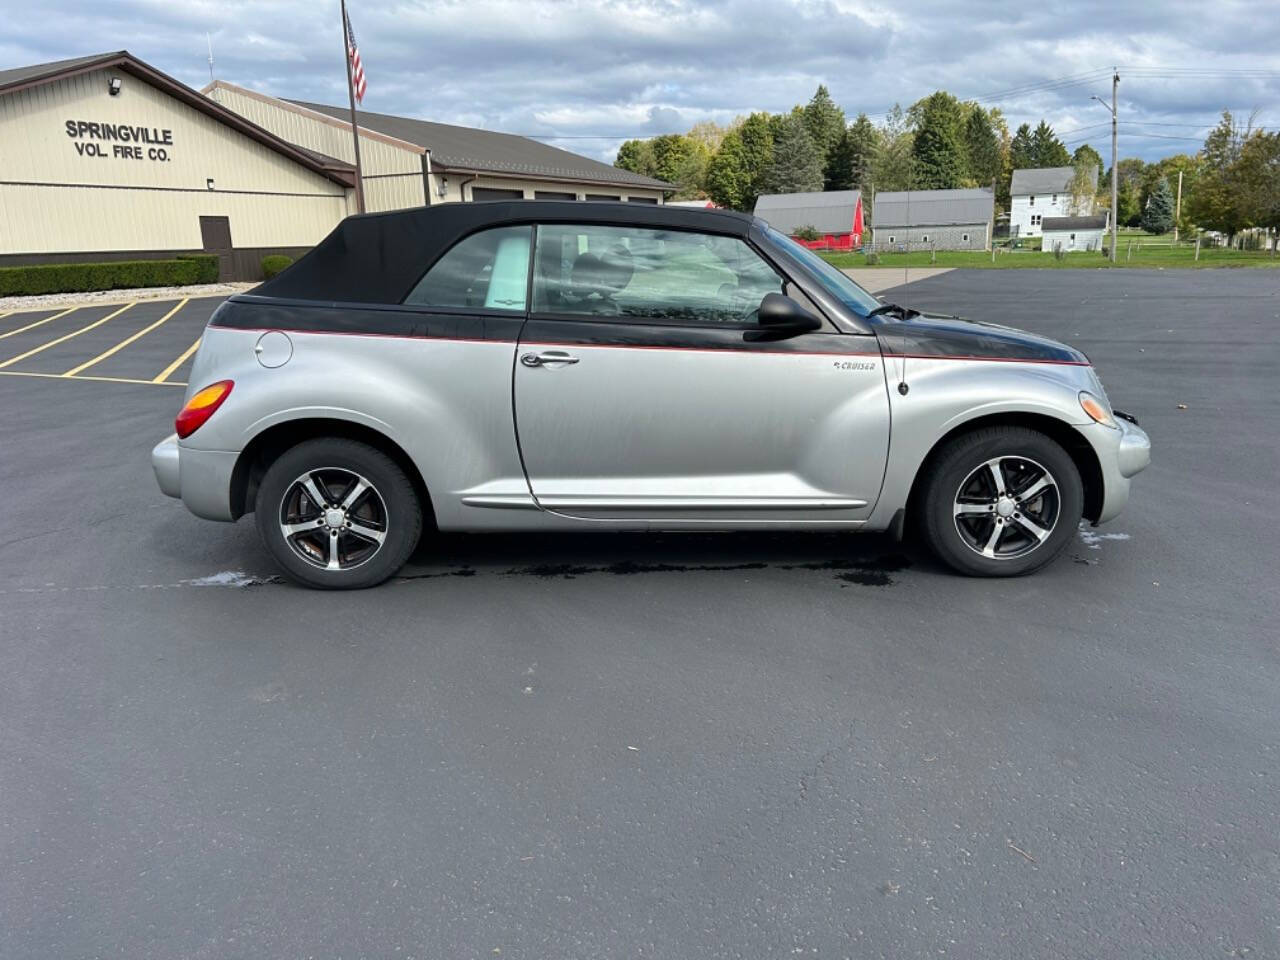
(112, 275)
(274, 264)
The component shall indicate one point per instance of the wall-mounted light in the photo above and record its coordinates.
(209, 183)
(113, 86)
(442, 188)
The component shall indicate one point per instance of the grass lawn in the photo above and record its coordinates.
(1149, 256)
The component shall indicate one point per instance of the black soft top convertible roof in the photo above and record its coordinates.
(378, 257)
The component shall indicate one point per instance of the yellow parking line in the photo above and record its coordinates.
(125, 342)
(164, 375)
(38, 323)
(60, 376)
(66, 336)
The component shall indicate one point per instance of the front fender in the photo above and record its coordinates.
(944, 394)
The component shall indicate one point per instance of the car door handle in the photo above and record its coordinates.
(550, 356)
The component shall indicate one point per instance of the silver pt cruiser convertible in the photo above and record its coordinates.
(537, 365)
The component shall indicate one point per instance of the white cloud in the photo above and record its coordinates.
(623, 68)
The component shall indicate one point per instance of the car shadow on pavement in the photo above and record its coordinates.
(866, 559)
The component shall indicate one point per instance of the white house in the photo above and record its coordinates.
(1038, 194)
(1074, 233)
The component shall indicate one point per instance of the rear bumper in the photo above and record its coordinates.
(201, 478)
(164, 461)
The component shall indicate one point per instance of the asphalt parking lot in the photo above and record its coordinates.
(643, 746)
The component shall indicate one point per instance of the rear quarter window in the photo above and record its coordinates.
(488, 270)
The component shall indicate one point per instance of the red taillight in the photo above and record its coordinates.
(201, 407)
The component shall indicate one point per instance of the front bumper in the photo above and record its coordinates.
(1122, 454)
(201, 478)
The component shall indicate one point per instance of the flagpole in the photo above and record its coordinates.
(351, 96)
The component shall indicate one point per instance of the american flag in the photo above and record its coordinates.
(357, 69)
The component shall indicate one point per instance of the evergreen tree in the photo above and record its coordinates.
(797, 166)
(636, 156)
(982, 148)
(1020, 153)
(849, 165)
(756, 133)
(1046, 149)
(936, 156)
(1157, 216)
(824, 121)
(729, 181)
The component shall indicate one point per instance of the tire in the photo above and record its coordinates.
(977, 531)
(337, 545)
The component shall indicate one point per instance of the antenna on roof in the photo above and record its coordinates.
(210, 43)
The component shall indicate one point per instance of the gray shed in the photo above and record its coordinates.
(933, 219)
(832, 213)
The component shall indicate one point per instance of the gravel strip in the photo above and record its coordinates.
(12, 304)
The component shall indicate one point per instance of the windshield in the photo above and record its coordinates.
(833, 280)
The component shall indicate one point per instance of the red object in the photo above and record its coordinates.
(357, 68)
(839, 241)
(202, 405)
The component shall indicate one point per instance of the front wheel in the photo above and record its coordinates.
(1001, 502)
(337, 514)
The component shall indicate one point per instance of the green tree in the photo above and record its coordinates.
(1260, 176)
(892, 167)
(1021, 156)
(824, 121)
(670, 155)
(1157, 215)
(1220, 201)
(797, 165)
(729, 181)
(982, 148)
(1085, 154)
(756, 133)
(1046, 149)
(636, 156)
(849, 164)
(936, 158)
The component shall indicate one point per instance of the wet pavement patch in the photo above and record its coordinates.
(871, 572)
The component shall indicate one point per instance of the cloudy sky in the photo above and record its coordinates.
(585, 74)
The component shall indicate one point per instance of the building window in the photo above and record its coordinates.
(1073, 238)
(1033, 201)
(892, 238)
(485, 194)
(486, 271)
(1054, 198)
(924, 238)
(964, 237)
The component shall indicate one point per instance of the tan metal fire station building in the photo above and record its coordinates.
(105, 157)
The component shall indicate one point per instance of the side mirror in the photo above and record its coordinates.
(781, 317)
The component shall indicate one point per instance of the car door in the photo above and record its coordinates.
(645, 388)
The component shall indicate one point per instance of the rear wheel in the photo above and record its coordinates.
(337, 514)
(1001, 502)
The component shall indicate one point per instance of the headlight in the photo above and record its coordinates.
(1097, 410)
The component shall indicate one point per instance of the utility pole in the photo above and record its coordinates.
(1115, 173)
(1177, 210)
(1115, 169)
(351, 96)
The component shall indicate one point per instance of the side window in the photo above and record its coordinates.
(649, 274)
(485, 271)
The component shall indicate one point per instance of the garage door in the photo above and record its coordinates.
(479, 194)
